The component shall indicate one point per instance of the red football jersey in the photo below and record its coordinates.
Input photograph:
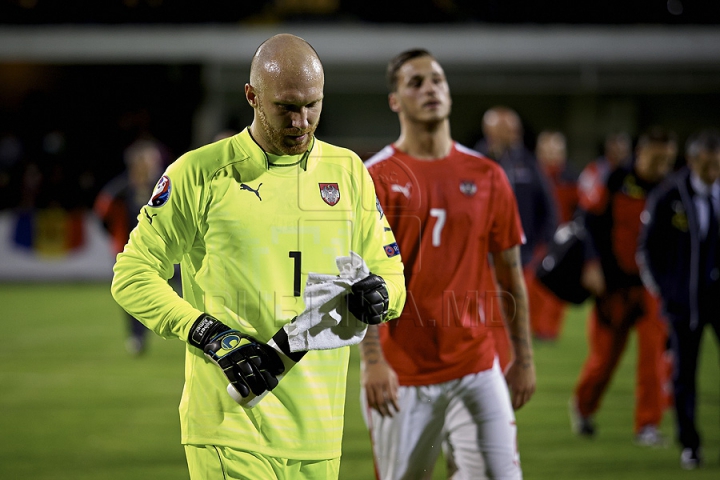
(447, 215)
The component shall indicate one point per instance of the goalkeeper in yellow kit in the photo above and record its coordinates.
(248, 217)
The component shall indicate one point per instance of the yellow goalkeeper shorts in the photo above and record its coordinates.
(209, 462)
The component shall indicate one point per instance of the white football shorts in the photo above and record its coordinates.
(470, 418)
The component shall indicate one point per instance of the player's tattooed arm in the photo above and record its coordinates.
(521, 374)
(377, 376)
(370, 350)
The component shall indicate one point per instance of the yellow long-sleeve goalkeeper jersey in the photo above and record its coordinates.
(246, 235)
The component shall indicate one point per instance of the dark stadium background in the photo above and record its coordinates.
(96, 106)
(81, 79)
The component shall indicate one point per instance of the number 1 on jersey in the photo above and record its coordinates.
(297, 256)
(440, 214)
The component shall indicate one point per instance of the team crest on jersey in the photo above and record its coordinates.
(161, 194)
(468, 188)
(330, 193)
(392, 249)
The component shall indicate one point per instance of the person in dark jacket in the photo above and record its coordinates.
(503, 142)
(679, 257)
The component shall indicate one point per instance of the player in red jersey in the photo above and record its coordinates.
(431, 377)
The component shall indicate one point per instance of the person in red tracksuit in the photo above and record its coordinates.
(622, 302)
(118, 206)
(547, 310)
(591, 183)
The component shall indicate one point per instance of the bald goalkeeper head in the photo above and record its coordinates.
(286, 92)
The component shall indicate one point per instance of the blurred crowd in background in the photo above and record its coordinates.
(64, 128)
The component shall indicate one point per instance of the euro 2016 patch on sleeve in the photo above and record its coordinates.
(379, 207)
(392, 249)
(161, 194)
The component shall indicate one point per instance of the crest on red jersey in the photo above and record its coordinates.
(468, 188)
(330, 193)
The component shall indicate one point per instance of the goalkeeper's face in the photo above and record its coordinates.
(422, 94)
(287, 108)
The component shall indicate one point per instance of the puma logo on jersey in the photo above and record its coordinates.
(149, 217)
(249, 188)
(404, 189)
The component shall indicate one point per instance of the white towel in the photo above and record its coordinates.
(321, 325)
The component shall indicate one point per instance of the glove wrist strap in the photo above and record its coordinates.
(205, 328)
(281, 340)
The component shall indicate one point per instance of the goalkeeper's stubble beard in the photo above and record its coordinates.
(279, 139)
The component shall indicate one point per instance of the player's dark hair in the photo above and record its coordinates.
(657, 134)
(703, 141)
(398, 61)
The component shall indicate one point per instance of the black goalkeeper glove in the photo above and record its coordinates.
(247, 363)
(369, 300)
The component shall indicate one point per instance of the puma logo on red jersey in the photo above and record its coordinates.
(404, 189)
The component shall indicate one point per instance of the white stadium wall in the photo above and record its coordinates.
(34, 247)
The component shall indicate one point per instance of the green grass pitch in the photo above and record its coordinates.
(75, 406)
